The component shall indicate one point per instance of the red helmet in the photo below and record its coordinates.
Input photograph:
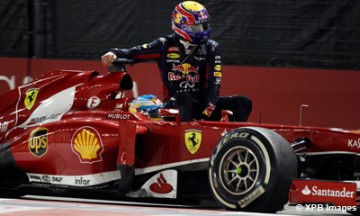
(190, 21)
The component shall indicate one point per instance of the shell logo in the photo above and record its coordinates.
(87, 145)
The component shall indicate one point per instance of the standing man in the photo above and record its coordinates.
(190, 66)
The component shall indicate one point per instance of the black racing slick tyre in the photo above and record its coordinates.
(251, 170)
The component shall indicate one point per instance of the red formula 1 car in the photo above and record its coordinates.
(70, 132)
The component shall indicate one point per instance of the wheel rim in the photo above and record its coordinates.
(239, 170)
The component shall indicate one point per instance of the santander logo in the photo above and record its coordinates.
(306, 191)
(315, 191)
(161, 186)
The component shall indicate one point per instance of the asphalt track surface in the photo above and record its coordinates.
(55, 206)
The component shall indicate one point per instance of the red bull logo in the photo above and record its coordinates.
(185, 68)
(175, 77)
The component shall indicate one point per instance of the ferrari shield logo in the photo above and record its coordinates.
(30, 98)
(193, 140)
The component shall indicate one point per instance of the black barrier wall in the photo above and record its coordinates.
(295, 33)
(15, 28)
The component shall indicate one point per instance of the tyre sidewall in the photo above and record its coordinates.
(261, 195)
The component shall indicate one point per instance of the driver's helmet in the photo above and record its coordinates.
(190, 21)
(147, 104)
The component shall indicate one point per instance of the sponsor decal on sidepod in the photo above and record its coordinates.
(354, 143)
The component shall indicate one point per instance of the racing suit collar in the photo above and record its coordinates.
(188, 47)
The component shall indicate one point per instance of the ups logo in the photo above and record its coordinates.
(38, 142)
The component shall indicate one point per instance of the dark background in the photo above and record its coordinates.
(283, 33)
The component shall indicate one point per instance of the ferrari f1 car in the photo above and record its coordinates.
(70, 132)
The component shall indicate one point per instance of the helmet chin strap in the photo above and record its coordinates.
(188, 45)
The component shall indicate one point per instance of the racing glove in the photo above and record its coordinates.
(208, 110)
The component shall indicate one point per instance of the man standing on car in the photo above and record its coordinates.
(190, 66)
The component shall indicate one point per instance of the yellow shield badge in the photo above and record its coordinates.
(30, 98)
(193, 140)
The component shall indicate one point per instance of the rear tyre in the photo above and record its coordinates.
(251, 170)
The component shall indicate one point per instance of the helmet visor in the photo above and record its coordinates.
(197, 28)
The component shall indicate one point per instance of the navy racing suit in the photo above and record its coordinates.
(196, 74)
(191, 77)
